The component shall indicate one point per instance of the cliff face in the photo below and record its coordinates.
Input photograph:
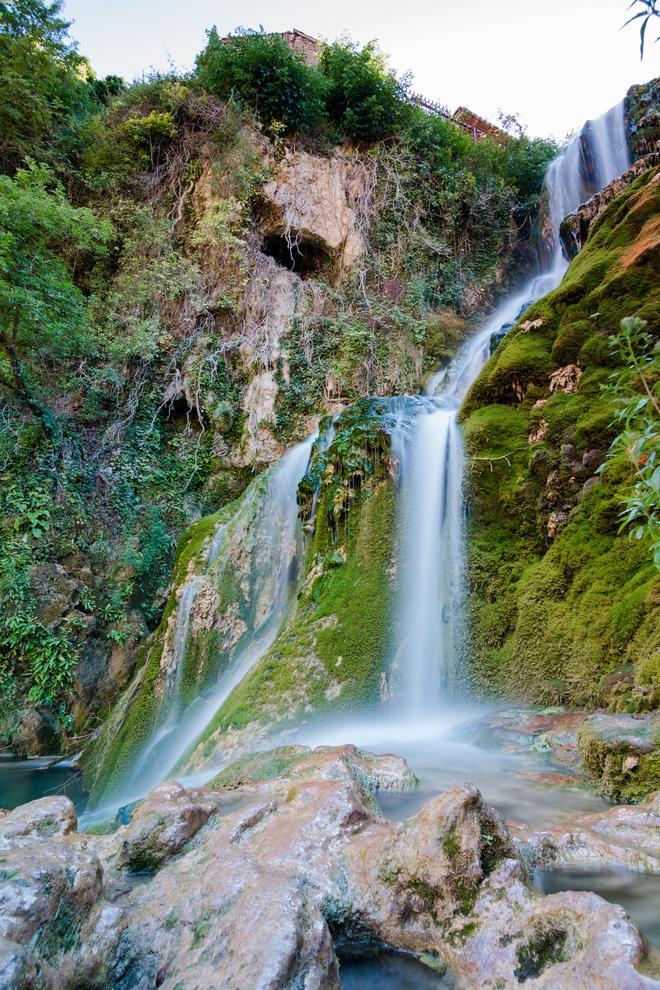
(564, 605)
(331, 650)
(251, 288)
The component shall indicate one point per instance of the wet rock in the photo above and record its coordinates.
(45, 888)
(38, 734)
(386, 772)
(41, 819)
(49, 882)
(257, 897)
(18, 967)
(373, 773)
(498, 336)
(431, 866)
(626, 837)
(575, 228)
(258, 766)
(606, 744)
(161, 826)
(552, 731)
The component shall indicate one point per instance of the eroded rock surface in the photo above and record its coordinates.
(256, 896)
(626, 837)
(312, 205)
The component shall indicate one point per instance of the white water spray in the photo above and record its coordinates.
(429, 628)
(276, 545)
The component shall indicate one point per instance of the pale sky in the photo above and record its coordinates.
(554, 62)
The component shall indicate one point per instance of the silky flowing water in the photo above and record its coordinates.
(430, 721)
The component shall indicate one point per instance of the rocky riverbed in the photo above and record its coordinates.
(258, 878)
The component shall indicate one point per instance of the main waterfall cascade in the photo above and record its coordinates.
(428, 630)
(430, 615)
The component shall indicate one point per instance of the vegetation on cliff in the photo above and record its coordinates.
(563, 596)
(128, 352)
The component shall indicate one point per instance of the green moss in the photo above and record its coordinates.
(545, 947)
(108, 761)
(333, 647)
(604, 758)
(523, 360)
(551, 615)
(569, 340)
(257, 767)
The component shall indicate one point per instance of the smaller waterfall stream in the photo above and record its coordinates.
(431, 541)
(276, 542)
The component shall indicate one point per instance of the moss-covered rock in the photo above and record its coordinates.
(559, 597)
(621, 753)
(333, 648)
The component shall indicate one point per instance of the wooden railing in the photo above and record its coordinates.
(437, 108)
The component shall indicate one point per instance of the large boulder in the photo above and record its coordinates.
(49, 881)
(41, 819)
(257, 896)
(161, 826)
(37, 734)
(386, 772)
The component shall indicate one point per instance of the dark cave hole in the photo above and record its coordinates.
(302, 257)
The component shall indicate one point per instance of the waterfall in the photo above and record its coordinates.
(268, 521)
(429, 642)
(431, 564)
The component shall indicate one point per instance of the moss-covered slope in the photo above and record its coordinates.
(215, 606)
(559, 598)
(333, 648)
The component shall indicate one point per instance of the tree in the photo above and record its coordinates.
(364, 99)
(42, 310)
(44, 83)
(266, 75)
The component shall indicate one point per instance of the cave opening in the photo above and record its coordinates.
(300, 256)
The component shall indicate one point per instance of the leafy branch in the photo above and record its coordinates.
(649, 9)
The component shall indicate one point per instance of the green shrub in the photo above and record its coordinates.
(364, 99)
(262, 71)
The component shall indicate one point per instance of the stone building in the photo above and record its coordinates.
(301, 42)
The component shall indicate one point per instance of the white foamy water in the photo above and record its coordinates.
(428, 633)
(429, 636)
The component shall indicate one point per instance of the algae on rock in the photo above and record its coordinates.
(333, 647)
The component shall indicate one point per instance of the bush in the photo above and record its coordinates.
(363, 98)
(262, 71)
